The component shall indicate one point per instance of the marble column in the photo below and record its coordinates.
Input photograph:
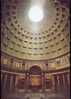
(65, 82)
(5, 81)
(68, 79)
(1, 77)
(27, 81)
(53, 83)
(15, 82)
(43, 81)
(11, 83)
(63, 76)
(58, 83)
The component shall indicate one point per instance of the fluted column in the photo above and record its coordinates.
(2, 80)
(63, 81)
(16, 83)
(43, 81)
(58, 83)
(27, 81)
(1, 76)
(68, 79)
(11, 83)
(5, 80)
(53, 83)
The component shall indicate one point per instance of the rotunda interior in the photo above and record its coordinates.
(35, 49)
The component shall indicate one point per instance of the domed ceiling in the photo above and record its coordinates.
(22, 38)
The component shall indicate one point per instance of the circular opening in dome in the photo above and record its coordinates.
(35, 14)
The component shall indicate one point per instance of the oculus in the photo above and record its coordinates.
(35, 14)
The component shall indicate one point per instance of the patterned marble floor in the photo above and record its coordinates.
(32, 95)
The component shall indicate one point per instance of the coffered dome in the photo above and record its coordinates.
(35, 49)
(46, 39)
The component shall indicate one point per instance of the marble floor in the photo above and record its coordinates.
(35, 95)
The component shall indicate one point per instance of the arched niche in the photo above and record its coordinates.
(35, 70)
(35, 73)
